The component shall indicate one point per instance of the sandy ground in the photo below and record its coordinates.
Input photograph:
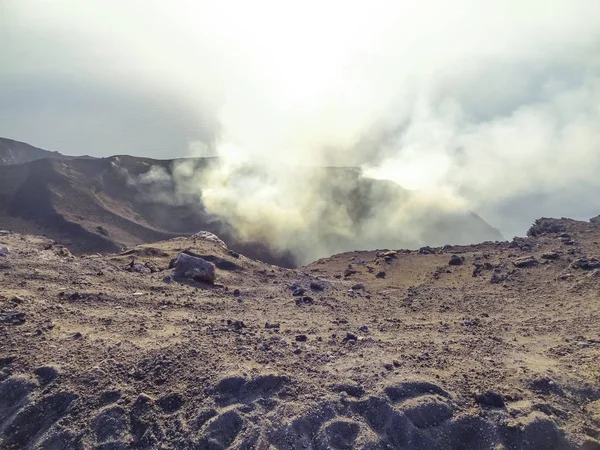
(372, 350)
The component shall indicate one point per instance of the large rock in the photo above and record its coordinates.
(195, 268)
(455, 260)
(586, 264)
(526, 261)
(210, 237)
(546, 225)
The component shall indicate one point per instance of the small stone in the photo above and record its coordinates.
(349, 272)
(358, 287)
(12, 317)
(236, 293)
(388, 366)
(455, 260)
(350, 337)
(499, 277)
(4, 251)
(317, 286)
(489, 398)
(272, 326)
(301, 338)
(586, 264)
(364, 329)
(237, 324)
(46, 374)
(351, 388)
(527, 261)
(380, 274)
(550, 255)
(304, 301)
(396, 363)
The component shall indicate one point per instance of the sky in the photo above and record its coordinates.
(491, 105)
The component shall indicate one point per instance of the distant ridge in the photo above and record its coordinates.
(91, 205)
(15, 152)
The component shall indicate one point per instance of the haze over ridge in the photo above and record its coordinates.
(493, 108)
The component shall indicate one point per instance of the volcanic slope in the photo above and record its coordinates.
(15, 152)
(490, 346)
(100, 205)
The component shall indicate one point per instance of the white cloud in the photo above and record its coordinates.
(484, 102)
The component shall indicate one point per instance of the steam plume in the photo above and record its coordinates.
(493, 108)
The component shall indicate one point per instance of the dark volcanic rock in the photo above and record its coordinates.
(545, 386)
(489, 398)
(499, 277)
(586, 264)
(527, 261)
(546, 225)
(352, 388)
(46, 374)
(12, 317)
(319, 286)
(304, 301)
(550, 255)
(455, 260)
(236, 324)
(349, 272)
(350, 337)
(198, 269)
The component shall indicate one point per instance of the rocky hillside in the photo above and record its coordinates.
(490, 346)
(15, 152)
(99, 205)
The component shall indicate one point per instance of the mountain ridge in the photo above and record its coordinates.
(99, 205)
(17, 152)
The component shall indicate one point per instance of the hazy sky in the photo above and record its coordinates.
(495, 104)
